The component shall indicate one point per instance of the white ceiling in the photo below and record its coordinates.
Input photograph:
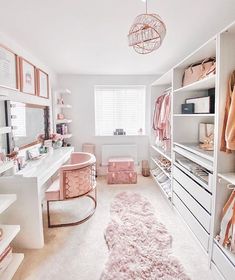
(90, 36)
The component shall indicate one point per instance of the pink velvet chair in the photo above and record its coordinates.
(77, 179)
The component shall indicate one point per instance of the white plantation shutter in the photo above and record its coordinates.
(119, 107)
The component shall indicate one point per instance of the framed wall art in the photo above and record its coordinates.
(27, 77)
(9, 74)
(42, 84)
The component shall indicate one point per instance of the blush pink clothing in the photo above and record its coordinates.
(161, 118)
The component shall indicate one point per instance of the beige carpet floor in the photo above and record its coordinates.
(80, 252)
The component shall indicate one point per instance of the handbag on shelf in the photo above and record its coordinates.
(199, 71)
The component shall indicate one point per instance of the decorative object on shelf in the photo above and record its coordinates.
(227, 226)
(199, 71)
(119, 131)
(27, 77)
(206, 136)
(9, 74)
(187, 108)
(60, 116)
(228, 131)
(42, 84)
(147, 32)
(211, 94)
(201, 104)
(60, 101)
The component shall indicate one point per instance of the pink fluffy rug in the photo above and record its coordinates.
(139, 245)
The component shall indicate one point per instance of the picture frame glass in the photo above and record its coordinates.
(43, 84)
(8, 66)
(28, 77)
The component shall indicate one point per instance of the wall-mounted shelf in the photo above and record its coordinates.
(9, 272)
(64, 106)
(5, 129)
(9, 233)
(67, 136)
(6, 200)
(63, 121)
(162, 152)
(203, 84)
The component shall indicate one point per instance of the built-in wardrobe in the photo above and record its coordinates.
(199, 197)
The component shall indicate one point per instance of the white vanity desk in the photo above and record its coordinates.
(29, 185)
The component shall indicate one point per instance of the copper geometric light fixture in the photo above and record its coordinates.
(147, 32)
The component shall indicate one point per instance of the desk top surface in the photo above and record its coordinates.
(46, 165)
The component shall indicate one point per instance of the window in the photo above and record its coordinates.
(119, 108)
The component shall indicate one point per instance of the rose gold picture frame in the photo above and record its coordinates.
(27, 77)
(42, 83)
(15, 68)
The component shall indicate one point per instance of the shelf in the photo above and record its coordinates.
(63, 91)
(203, 84)
(6, 200)
(162, 168)
(208, 164)
(5, 129)
(226, 252)
(162, 152)
(63, 121)
(9, 233)
(6, 166)
(194, 115)
(160, 185)
(64, 106)
(9, 272)
(194, 148)
(229, 177)
(67, 136)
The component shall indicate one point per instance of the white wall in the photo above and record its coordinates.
(83, 113)
(22, 97)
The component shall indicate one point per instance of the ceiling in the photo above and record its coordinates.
(90, 36)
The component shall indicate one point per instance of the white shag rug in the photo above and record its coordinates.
(140, 246)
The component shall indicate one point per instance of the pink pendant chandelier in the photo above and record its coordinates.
(147, 32)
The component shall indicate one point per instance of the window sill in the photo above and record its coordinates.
(142, 135)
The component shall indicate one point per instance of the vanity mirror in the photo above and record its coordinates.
(28, 122)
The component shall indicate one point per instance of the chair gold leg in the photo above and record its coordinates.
(94, 199)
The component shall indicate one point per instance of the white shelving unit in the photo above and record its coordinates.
(160, 186)
(9, 233)
(5, 129)
(6, 166)
(64, 109)
(188, 189)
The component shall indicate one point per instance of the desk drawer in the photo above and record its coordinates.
(224, 265)
(199, 194)
(197, 210)
(196, 228)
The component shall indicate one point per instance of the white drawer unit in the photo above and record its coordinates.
(199, 193)
(199, 212)
(216, 273)
(223, 263)
(196, 228)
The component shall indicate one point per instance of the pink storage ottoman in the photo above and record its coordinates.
(121, 171)
(121, 164)
(123, 177)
